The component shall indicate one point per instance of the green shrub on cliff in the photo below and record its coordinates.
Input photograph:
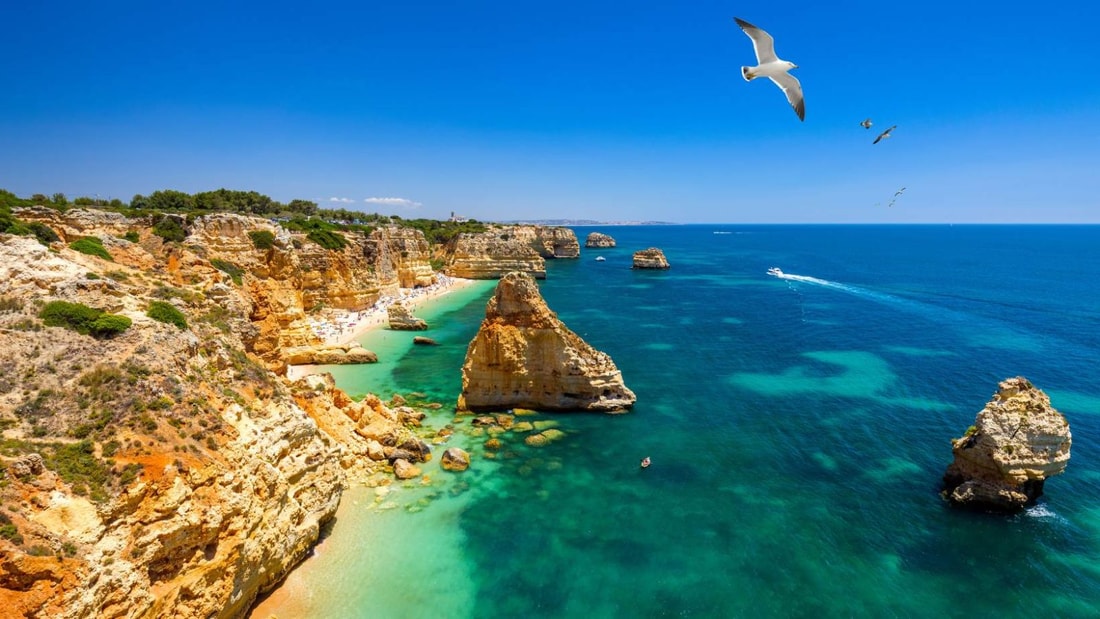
(83, 319)
(109, 325)
(92, 246)
(328, 239)
(230, 269)
(166, 313)
(262, 239)
(169, 229)
(9, 224)
(43, 233)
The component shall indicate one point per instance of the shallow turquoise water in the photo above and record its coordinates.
(798, 432)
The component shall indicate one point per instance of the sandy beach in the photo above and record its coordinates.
(336, 327)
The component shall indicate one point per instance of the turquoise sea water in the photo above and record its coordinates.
(798, 430)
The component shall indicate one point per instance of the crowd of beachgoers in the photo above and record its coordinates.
(336, 326)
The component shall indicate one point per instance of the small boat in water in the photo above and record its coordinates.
(600, 258)
(775, 271)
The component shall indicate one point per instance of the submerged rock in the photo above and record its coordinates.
(544, 438)
(523, 356)
(651, 258)
(1017, 441)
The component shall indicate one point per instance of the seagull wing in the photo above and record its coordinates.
(793, 90)
(762, 42)
(884, 134)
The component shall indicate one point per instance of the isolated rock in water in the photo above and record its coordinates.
(1017, 441)
(523, 356)
(455, 459)
(598, 239)
(651, 258)
(402, 319)
(424, 341)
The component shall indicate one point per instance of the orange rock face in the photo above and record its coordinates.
(523, 356)
(1018, 440)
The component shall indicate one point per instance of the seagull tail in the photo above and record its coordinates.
(747, 73)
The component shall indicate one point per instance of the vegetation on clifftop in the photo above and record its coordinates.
(83, 319)
(322, 226)
(92, 246)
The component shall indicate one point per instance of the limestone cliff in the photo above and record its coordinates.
(490, 255)
(550, 241)
(164, 471)
(523, 356)
(651, 258)
(503, 249)
(281, 283)
(598, 240)
(1017, 441)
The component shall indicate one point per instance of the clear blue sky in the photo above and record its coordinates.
(604, 110)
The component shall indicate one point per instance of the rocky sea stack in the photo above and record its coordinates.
(651, 258)
(523, 356)
(401, 318)
(598, 240)
(1017, 441)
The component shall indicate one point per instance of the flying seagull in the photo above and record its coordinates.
(770, 66)
(866, 124)
(884, 134)
(896, 194)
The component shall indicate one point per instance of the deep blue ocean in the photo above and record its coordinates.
(798, 430)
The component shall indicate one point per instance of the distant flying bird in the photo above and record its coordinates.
(896, 194)
(884, 134)
(866, 124)
(770, 66)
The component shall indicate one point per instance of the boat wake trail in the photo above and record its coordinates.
(1003, 333)
(856, 290)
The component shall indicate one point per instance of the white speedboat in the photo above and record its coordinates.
(775, 271)
(600, 258)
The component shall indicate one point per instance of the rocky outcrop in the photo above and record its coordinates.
(202, 483)
(76, 223)
(420, 340)
(201, 478)
(455, 459)
(1017, 441)
(523, 356)
(551, 241)
(370, 435)
(504, 249)
(401, 318)
(296, 276)
(339, 354)
(651, 258)
(598, 240)
(282, 283)
(490, 255)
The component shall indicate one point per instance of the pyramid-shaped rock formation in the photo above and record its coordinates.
(523, 356)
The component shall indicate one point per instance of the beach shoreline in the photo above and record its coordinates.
(342, 327)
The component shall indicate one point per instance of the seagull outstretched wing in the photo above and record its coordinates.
(793, 90)
(762, 42)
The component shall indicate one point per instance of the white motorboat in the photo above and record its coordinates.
(600, 258)
(775, 271)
